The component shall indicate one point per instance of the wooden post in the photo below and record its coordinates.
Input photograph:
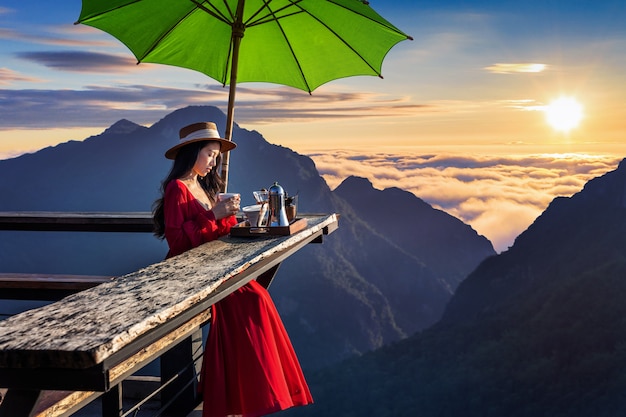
(180, 370)
(237, 34)
(19, 402)
(112, 402)
(266, 278)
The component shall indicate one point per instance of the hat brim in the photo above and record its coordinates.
(225, 146)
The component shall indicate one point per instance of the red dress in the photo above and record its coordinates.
(250, 368)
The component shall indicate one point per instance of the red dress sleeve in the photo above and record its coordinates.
(187, 223)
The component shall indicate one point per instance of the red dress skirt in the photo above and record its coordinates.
(250, 368)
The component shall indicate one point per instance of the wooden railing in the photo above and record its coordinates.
(88, 343)
(76, 222)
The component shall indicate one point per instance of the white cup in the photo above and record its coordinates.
(255, 214)
(251, 214)
(226, 196)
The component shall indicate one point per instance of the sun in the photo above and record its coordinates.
(564, 114)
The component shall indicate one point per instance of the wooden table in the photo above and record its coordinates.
(92, 340)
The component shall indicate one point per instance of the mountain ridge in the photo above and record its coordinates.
(596, 209)
(536, 330)
(121, 169)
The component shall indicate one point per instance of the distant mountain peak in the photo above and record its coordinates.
(123, 126)
(357, 183)
(361, 190)
(431, 235)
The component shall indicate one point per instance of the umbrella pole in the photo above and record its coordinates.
(237, 34)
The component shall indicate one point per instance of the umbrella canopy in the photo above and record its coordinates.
(298, 43)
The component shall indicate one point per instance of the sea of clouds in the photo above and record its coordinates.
(499, 196)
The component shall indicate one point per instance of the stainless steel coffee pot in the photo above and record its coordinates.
(278, 215)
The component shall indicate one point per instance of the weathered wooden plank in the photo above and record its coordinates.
(77, 222)
(145, 355)
(63, 403)
(93, 326)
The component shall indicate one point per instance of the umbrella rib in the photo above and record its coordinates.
(105, 12)
(220, 16)
(228, 61)
(215, 12)
(271, 17)
(163, 36)
(166, 33)
(271, 12)
(389, 26)
(247, 23)
(345, 42)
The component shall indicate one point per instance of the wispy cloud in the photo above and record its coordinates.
(8, 76)
(77, 61)
(515, 68)
(92, 106)
(103, 105)
(8, 33)
(525, 105)
(499, 196)
(70, 36)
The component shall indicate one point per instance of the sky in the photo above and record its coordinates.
(460, 117)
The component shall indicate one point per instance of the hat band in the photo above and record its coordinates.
(202, 134)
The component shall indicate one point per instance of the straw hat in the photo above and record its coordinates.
(197, 132)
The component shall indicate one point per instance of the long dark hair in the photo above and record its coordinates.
(185, 160)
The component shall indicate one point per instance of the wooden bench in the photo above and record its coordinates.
(89, 342)
(133, 222)
(49, 287)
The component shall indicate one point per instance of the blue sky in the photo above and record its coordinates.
(477, 80)
(445, 85)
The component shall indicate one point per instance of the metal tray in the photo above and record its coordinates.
(243, 229)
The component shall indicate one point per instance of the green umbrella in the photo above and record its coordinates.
(299, 43)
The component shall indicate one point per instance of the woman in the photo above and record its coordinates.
(249, 367)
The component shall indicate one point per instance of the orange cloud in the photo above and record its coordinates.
(8, 76)
(501, 68)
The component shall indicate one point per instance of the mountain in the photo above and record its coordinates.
(539, 330)
(432, 236)
(363, 288)
(575, 234)
(419, 279)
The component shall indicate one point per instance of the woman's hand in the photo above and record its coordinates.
(227, 207)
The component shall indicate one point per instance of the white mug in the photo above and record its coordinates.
(226, 196)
